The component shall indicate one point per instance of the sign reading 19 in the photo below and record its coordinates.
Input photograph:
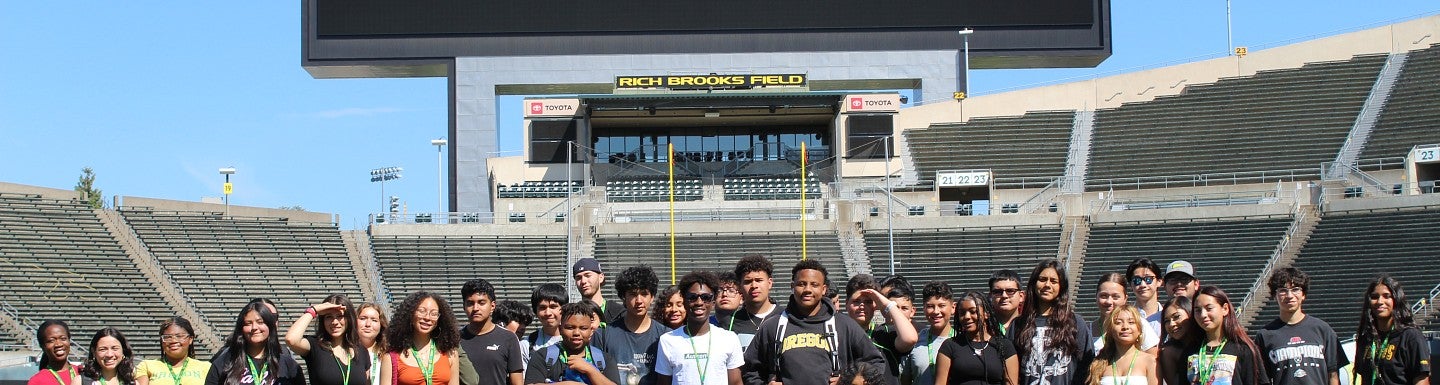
(962, 178)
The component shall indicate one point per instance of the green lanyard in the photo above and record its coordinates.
(71, 371)
(870, 332)
(930, 346)
(1116, 364)
(344, 369)
(257, 376)
(1375, 355)
(176, 375)
(695, 353)
(732, 320)
(427, 366)
(1205, 366)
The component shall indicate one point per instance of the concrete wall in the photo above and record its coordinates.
(469, 229)
(240, 211)
(52, 193)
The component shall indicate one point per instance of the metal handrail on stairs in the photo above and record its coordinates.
(1300, 217)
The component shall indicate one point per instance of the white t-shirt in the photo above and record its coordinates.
(682, 361)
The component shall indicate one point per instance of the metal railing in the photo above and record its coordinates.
(1421, 308)
(154, 265)
(1202, 180)
(33, 328)
(1290, 234)
(1046, 194)
(814, 212)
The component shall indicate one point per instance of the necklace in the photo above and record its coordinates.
(980, 351)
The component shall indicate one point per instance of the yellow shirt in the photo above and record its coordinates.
(160, 373)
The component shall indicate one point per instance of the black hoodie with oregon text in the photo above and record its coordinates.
(803, 354)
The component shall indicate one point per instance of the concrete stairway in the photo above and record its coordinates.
(206, 336)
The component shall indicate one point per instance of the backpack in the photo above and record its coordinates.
(830, 336)
(552, 356)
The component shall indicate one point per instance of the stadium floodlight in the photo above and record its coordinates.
(381, 175)
(227, 172)
(439, 174)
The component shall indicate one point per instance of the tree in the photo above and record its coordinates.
(86, 187)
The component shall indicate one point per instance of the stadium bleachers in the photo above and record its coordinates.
(1412, 114)
(963, 257)
(58, 261)
(1033, 146)
(537, 189)
(1290, 119)
(1347, 249)
(767, 188)
(514, 264)
(719, 252)
(1227, 252)
(653, 190)
(221, 262)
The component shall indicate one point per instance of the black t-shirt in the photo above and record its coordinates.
(612, 311)
(884, 337)
(325, 368)
(1406, 356)
(494, 355)
(1301, 354)
(1235, 364)
(546, 367)
(977, 363)
(1172, 362)
(746, 325)
(287, 373)
(632, 353)
(1054, 365)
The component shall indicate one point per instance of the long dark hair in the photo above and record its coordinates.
(125, 370)
(236, 367)
(1191, 329)
(350, 340)
(1062, 323)
(1399, 313)
(989, 324)
(657, 309)
(1230, 328)
(183, 324)
(40, 339)
(401, 335)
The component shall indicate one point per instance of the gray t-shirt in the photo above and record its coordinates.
(1301, 354)
(632, 354)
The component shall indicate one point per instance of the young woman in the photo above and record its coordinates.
(422, 343)
(1121, 361)
(177, 364)
(55, 368)
(1389, 349)
(1053, 341)
(1109, 295)
(333, 355)
(670, 308)
(110, 362)
(252, 353)
(978, 353)
(1183, 335)
(1225, 355)
(371, 330)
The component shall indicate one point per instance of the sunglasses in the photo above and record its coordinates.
(704, 297)
(1136, 281)
(1004, 292)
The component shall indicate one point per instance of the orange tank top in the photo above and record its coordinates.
(411, 375)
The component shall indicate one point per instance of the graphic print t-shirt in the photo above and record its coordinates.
(633, 354)
(1053, 365)
(1301, 354)
(1234, 365)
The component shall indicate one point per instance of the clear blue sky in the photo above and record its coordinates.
(156, 96)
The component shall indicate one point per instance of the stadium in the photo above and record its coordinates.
(691, 146)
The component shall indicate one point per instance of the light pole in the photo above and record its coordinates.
(227, 171)
(965, 59)
(439, 174)
(381, 175)
(889, 205)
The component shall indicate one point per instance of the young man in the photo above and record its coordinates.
(807, 344)
(589, 279)
(898, 289)
(754, 273)
(919, 367)
(1008, 299)
(513, 316)
(896, 336)
(1298, 349)
(727, 299)
(494, 351)
(573, 360)
(633, 340)
(696, 353)
(546, 300)
(1144, 277)
(1180, 279)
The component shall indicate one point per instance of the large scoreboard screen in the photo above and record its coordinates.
(476, 18)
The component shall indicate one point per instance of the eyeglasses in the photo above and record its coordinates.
(704, 297)
(427, 314)
(174, 337)
(729, 289)
(1136, 281)
(1289, 291)
(1003, 292)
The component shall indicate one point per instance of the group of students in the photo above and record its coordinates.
(726, 329)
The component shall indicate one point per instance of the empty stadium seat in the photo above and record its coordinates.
(1015, 148)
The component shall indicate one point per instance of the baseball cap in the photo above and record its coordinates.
(1181, 267)
(584, 265)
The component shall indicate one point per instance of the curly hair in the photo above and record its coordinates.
(1289, 276)
(938, 289)
(637, 278)
(401, 334)
(657, 310)
(125, 370)
(752, 263)
(512, 310)
(867, 373)
(699, 277)
(184, 324)
(1063, 323)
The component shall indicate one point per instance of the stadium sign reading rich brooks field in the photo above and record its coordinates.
(709, 82)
